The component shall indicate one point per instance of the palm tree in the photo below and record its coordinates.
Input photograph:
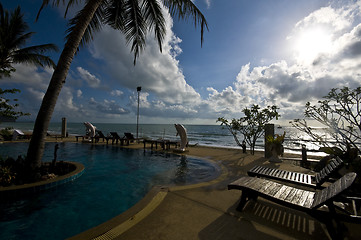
(13, 38)
(134, 18)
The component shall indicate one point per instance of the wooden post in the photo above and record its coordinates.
(269, 130)
(63, 127)
(304, 162)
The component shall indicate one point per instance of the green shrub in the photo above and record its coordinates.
(7, 177)
(7, 133)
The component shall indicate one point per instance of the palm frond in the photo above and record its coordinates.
(95, 24)
(34, 55)
(184, 9)
(18, 40)
(36, 59)
(57, 3)
(134, 27)
(38, 49)
(12, 28)
(115, 14)
(154, 16)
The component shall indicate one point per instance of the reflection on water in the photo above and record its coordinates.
(182, 170)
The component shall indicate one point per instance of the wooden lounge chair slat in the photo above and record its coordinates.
(328, 169)
(318, 178)
(262, 170)
(285, 193)
(299, 199)
(308, 202)
(303, 198)
(270, 187)
(292, 176)
(280, 191)
(272, 172)
(275, 189)
(301, 178)
(256, 169)
(298, 177)
(289, 175)
(291, 194)
(333, 164)
(278, 173)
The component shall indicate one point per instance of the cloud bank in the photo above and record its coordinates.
(103, 88)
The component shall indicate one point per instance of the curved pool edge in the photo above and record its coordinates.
(32, 188)
(124, 221)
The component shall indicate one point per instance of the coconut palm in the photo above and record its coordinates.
(13, 37)
(134, 18)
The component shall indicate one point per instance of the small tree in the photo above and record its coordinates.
(252, 124)
(340, 114)
(7, 110)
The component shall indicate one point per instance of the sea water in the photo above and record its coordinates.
(203, 135)
(113, 181)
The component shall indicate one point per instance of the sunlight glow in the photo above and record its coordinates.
(310, 43)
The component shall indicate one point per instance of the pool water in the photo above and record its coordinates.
(113, 181)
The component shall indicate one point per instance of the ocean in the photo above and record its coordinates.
(203, 135)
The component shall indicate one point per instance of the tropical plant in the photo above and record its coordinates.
(7, 133)
(7, 177)
(133, 18)
(13, 37)
(340, 115)
(252, 124)
(7, 110)
(276, 143)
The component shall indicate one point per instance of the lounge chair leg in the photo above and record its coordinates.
(245, 197)
(336, 230)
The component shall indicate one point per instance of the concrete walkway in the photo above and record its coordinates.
(208, 210)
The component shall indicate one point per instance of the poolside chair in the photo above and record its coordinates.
(129, 137)
(99, 135)
(299, 199)
(298, 178)
(116, 138)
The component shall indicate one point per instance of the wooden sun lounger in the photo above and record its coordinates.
(299, 199)
(129, 136)
(298, 178)
(100, 135)
(164, 144)
(116, 138)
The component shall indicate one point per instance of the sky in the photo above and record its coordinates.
(265, 52)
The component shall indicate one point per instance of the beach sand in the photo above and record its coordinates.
(208, 210)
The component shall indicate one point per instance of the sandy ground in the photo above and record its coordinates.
(208, 210)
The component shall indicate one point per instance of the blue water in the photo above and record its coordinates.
(205, 135)
(113, 181)
(202, 135)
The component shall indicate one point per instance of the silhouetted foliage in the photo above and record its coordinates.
(252, 124)
(8, 110)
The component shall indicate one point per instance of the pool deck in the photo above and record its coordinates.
(208, 210)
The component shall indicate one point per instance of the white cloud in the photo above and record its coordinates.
(108, 107)
(116, 92)
(166, 93)
(208, 2)
(79, 93)
(290, 85)
(158, 73)
(91, 79)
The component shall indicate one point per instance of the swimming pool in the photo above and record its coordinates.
(113, 181)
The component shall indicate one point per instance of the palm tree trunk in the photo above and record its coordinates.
(37, 142)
